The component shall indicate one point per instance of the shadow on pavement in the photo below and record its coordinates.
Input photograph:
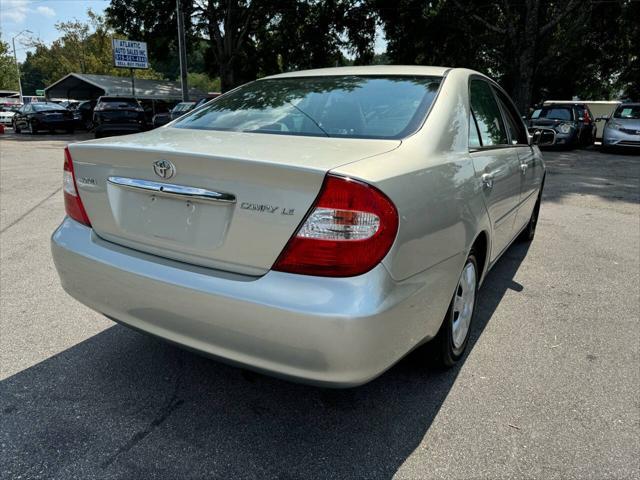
(614, 176)
(124, 405)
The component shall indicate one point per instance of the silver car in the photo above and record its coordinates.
(623, 128)
(315, 225)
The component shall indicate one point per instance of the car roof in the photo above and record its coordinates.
(367, 70)
(122, 99)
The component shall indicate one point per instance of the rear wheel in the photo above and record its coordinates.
(453, 337)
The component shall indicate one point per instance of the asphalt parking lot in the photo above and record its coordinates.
(550, 388)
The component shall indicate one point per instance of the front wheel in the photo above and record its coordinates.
(16, 128)
(453, 337)
(32, 130)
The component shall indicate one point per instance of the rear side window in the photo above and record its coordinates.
(516, 128)
(334, 106)
(487, 114)
(474, 135)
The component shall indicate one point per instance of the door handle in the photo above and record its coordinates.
(523, 168)
(487, 180)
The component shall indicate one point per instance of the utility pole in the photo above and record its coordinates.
(15, 58)
(182, 53)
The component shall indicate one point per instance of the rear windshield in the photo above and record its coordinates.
(337, 106)
(554, 113)
(40, 107)
(628, 111)
(112, 103)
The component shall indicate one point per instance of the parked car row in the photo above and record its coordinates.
(573, 122)
(107, 115)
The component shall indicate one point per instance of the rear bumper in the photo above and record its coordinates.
(54, 124)
(328, 331)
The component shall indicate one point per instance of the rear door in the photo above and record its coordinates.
(496, 163)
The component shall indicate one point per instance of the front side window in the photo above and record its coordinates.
(516, 128)
(335, 106)
(487, 114)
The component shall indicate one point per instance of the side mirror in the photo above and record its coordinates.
(543, 137)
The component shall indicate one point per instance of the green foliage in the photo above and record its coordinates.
(81, 48)
(203, 82)
(537, 49)
(8, 72)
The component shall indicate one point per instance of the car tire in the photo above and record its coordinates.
(32, 130)
(451, 341)
(16, 128)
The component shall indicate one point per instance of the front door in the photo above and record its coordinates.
(531, 167)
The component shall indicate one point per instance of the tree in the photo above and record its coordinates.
(8, 73)
(154, 22)
(82, 48)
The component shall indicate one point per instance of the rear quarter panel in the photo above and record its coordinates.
(431, 180)
(433, 184)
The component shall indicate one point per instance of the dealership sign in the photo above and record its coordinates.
(130, 54)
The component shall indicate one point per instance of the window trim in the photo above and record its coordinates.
(505, 118)
(483, 148)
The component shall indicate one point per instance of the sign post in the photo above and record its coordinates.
(130, 54)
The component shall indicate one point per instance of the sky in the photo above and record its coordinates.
(40, 17)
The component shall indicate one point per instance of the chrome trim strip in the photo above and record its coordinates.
(170, 189)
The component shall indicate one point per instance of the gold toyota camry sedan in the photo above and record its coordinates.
(315, 225)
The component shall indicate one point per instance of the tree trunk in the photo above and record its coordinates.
(227, 75)
(524, 80)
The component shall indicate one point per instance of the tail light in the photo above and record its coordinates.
(72, 203)
(349, 230)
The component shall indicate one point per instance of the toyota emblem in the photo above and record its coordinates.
(164, 168)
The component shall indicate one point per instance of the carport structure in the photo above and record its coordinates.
(82, 86)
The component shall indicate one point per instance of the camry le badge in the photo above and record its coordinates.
(164, 168)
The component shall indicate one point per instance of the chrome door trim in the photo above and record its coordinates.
(172, 190)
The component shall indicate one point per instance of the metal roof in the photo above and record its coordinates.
(84, 86)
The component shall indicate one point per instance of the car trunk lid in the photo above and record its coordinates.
(226, 200)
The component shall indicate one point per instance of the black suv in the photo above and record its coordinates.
(573, 122)
(118, 115)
